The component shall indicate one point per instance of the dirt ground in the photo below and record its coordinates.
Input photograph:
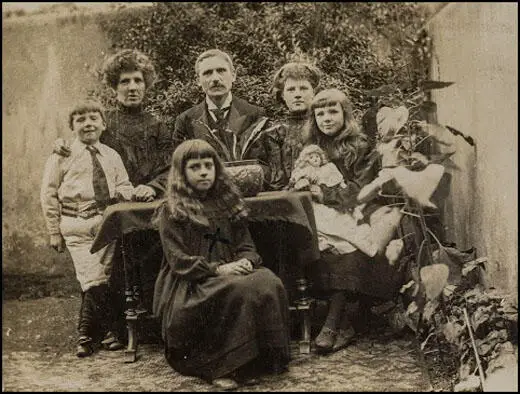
(39, 337)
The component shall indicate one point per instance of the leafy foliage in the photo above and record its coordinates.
(444, 298)
(358, 46)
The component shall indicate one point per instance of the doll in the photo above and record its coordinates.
(337, 230)
(312, 167)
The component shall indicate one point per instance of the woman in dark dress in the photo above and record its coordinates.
(224, 316)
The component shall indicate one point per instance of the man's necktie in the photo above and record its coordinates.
(99, 179)
(219, 115)
(224, 133)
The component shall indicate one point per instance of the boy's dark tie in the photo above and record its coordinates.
(99, 179)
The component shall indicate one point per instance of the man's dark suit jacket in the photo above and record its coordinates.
(247, 121)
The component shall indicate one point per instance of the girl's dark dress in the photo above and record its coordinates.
(212, 324)
(355, 272)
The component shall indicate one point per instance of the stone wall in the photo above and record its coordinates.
(46, 66)
(476, 47)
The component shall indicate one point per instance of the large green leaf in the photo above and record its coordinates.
(434, 277)
(454, 259)
(470, 384)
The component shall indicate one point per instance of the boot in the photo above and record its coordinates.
(86, 313)
(346, 332)
(105, 315)
(325, 339)
(84, 347)
(111, 342)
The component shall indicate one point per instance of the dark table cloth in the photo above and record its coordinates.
(282, 225)
(292, 208)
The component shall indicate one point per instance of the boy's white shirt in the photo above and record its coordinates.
(69, 180)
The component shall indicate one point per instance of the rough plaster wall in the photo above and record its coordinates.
(44, 69)
(476, 46)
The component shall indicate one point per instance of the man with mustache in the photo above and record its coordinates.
(234, 127)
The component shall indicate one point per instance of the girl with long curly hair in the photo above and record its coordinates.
(333, 128)
(224, 317)
(346, 275)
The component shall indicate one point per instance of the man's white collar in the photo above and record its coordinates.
(226, 104)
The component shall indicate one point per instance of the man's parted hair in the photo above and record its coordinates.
(85, 106)
(213, 53)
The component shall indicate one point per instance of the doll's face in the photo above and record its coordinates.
(330, 119)
(200, 173)
(315, 160)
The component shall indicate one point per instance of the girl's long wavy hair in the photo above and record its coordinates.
(350, 140)
(182, 199)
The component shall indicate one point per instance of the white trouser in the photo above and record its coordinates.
(91, 269)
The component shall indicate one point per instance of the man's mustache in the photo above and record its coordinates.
(216, 85)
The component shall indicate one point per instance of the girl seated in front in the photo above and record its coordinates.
(224, 317)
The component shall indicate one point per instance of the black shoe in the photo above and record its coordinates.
(343, 339)
(111, 342)
(84, 348)
(325, 339)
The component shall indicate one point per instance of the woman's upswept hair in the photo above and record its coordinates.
(303, 157)
(128, 60)
(182, 199)
(295, 70)
(350, 140)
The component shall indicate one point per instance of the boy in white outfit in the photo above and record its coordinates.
(75, 192)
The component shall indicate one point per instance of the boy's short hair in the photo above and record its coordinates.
(213, 53)
(84, 106)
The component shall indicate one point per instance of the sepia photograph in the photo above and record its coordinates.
(260, 196)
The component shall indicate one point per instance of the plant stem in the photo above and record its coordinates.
(480, 370)
(424, 229)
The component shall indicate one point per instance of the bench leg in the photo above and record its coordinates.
(303, 306)
(131, 325)
(130, 301)
(305, 341)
